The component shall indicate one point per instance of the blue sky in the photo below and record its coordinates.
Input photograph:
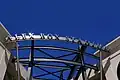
(94, 20)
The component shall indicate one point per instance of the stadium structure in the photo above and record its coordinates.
(30, 56)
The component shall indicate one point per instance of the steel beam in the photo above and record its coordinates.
(50, 73)
(49, 47)
(61, 75)
(82, 68)
(57, 48)
(31, 61)
(60, 61)
(45, 53)
(78, 58)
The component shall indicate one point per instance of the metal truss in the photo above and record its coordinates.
(56, 67)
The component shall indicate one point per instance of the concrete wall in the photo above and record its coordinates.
(4, 53)
(4, 59)
(8, 69)
(110, 62)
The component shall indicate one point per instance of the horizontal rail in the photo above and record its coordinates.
(59, 61)
(57, 48)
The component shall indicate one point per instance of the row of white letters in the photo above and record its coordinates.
(41, 36)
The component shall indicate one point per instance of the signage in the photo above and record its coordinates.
(42, 36)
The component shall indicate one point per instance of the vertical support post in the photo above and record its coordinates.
(73, 69)
(78, 58)
(82, 69)
(78, 73)
(31, 61)
(101, 75)
(18, 68)
(61, 75)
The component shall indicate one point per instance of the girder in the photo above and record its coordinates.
(75, 65)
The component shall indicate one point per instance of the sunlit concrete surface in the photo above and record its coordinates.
(4, 53)
(8, 69)
(110, 62)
